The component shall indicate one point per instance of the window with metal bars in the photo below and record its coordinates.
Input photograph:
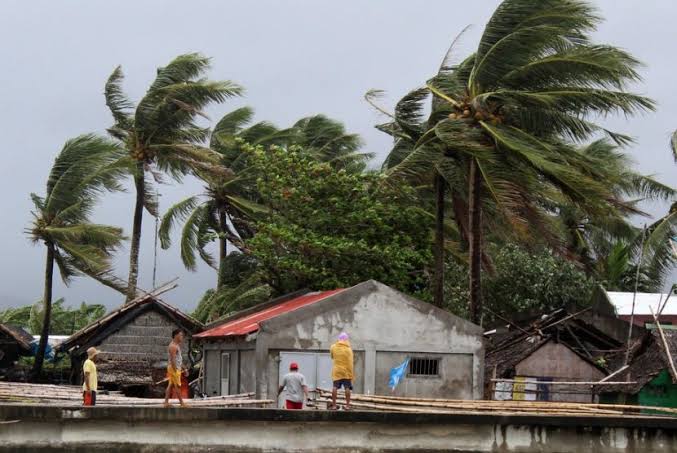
(424, 366)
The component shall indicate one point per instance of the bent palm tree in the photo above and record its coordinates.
(228, 203)
(161, 132)
(86, 166)
(506, 117)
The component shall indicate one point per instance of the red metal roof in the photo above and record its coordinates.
(250, 323)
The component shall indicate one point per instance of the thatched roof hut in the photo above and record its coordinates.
(133, 342)
(648, 359)
(14, 342)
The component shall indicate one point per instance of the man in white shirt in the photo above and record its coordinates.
(296, 388)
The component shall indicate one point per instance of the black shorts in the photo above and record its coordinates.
(345, 383)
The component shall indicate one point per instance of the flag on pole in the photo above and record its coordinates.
(397, 373)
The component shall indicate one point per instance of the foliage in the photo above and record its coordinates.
(161, 133)
(524, 281)
(64, 320)
(330, 228)
(241, 288)
(506, 123)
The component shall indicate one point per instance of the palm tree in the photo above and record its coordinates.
(161, 134)
(660, 254)
(223, 211)
(507, 117)
(328, 140)
(86, 166)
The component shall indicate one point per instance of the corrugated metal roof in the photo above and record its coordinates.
(623, 303)
(251, 323)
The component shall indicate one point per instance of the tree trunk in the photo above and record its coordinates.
(438, 289)
(475, 242)
(223, 249)
(132, 280)
(46, 315)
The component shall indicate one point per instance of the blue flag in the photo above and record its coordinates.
(397, 373)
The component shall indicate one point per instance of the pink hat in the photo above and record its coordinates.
(343, 336)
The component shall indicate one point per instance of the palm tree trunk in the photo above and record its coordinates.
(223, 249)
(475, 242)
(438, 288)
(132, 280)
(47, 313)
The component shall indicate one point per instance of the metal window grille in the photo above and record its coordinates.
(424, 366)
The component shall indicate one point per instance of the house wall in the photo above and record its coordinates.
(454, 380)
(660, 391)
(379, 320)
(559, 363)
(139, 346)
(242, 366)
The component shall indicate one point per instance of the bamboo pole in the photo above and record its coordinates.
(665, 343)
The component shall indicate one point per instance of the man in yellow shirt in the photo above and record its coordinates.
(90, 379)
(342, 368)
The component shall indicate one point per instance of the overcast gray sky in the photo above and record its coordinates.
(295, 58)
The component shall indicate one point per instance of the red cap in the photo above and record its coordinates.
(293, 366)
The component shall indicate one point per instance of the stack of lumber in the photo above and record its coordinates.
(62, 395)
(541, 408)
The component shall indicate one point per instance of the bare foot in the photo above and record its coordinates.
(182, 404)
(166, 404)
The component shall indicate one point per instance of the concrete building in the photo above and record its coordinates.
(251, 350)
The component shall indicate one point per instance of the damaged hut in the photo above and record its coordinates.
(14, 343)
(525, 362)
(651, 374)
(250, 351)
(133, 342)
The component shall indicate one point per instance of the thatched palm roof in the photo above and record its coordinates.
(22, 338)
(93, 333)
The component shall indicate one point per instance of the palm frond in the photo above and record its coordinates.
(175, 214)
(119, 105)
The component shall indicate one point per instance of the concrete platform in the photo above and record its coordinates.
(134, 429)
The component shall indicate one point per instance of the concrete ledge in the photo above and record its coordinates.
(112, 428)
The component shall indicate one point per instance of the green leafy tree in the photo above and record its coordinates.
(161, 133)
(506, 119)
(524, 282)
(330, 228)
(85, 167)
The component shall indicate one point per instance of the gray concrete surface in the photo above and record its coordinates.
(104, 429)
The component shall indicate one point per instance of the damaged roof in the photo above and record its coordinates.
(505, 351)
(648, 358)
(23, 338)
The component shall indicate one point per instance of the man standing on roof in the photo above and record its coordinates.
(342, 368)
(295, 384)
(174, 368)
(89, 378)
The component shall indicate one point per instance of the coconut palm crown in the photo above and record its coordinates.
(161, 133)
(505, 122)
(86, 167)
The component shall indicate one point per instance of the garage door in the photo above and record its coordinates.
(315, 366)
